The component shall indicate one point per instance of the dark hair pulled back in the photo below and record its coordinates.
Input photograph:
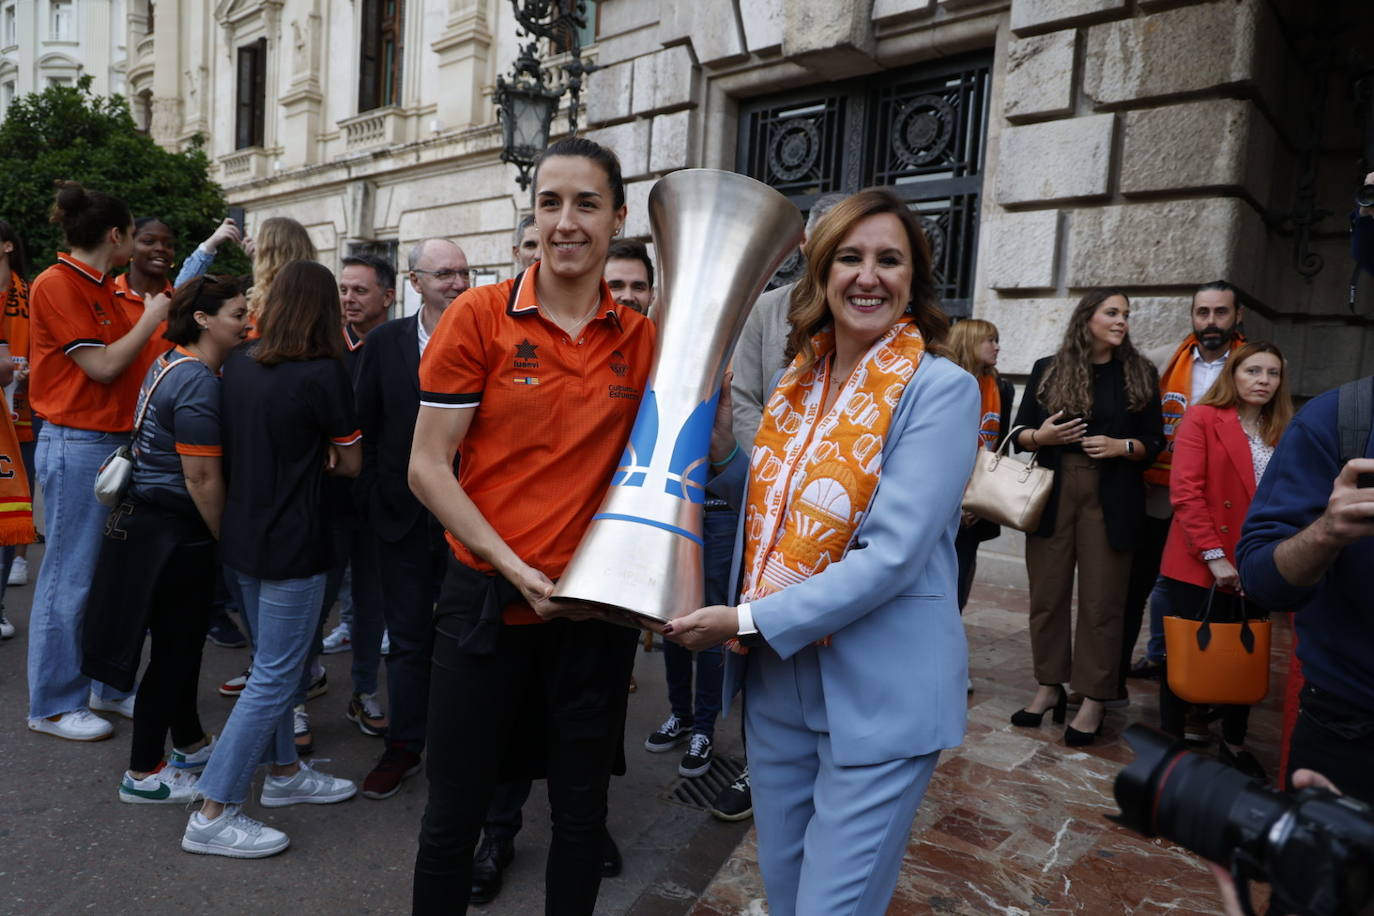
(587, 149)
(206, 293)
(85, 216)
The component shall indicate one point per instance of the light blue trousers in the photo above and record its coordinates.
(831, 837)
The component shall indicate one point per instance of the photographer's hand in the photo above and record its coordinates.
(1304, 558)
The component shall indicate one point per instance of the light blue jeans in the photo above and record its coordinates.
(67, 462)
(283, 615)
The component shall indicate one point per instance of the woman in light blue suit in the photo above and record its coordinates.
(855, 668)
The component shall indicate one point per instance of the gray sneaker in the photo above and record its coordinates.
(309, 786)
(232, 834)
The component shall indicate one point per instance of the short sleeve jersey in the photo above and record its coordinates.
(181, 418)
(278, 424)
(75, 306)
(551, 413)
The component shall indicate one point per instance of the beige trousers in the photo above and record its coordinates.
(1090, 661)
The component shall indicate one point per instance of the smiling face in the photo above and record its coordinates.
(153, 250)
(576, 215)
(364, 301)
(1258, 378)
(1109, 323)
(868, 285)
(228, 327)
(440, 274)
(628, 280)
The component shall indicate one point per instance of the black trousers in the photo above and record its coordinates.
(1335, 738)
(557, 689)
(1149, 551)
(412, 570)
(1188, 600)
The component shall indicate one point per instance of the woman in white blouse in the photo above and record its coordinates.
(1221, 450)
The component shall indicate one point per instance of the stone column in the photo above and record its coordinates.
(302, 103)
(464, 49)
(167, 108)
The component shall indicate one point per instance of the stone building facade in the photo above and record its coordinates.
(55, 42)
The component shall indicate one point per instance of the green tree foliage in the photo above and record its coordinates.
(66, 133)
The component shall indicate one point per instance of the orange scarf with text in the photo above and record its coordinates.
(812, 477)
(16, 505)
(15, 328)
(1175, 394)
(990, 415)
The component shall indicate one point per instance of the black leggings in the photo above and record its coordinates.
(177, 620)
(1188, 601)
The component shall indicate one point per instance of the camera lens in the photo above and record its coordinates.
(1365, 197)
(1200, 804)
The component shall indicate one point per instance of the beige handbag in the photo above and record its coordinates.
(1003, 490)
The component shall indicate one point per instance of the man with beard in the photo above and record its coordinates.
(1183, 379)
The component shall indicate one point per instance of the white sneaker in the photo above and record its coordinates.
(232, 834)
(338, 640)
(194, 761)
(308, 786)
(124, 707)
(78, 725)
(19, 572)
(6, 628)
(166, 786)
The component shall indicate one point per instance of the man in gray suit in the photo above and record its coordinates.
(758, 357)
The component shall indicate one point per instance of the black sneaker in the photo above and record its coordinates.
(735, 802)
(697, 760)
(225, 634)
(670, 734)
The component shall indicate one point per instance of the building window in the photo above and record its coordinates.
(6, 94)
(55, 81)
(250, 112)
(60, 14)
(10, 27)
(145, 110)
(379, 81)
(152, 16)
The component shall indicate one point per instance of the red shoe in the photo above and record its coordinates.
(396, 765)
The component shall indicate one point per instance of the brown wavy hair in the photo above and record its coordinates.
(965, 338)
(809, 312)
(1068, 383)
(1274, 416)
(302, 319)
(279, 241)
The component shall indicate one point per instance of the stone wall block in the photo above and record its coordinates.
(1055, 160)
(710, 26)
(1039, 76)
(830, 39)
(671, 146)
(1029, 17)
(664, 80)
(763, 24)
(609, 93)
(630, 141)
(885, 11)
(1211, 144)
(1028, 328)
(637, 202)
(1158, 323)
(1018, 250)
(1173, 243)
(1190, 49)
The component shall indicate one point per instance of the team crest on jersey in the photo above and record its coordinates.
(618, 364)
(525, 355)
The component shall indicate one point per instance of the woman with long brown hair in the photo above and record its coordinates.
(856, 660)
(279, 241)
(288, 420)
(1092, 413)
(1221, 450)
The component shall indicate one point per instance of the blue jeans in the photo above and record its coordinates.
(355, 562)
(283, 615)
(67, 461)
(1160, 607)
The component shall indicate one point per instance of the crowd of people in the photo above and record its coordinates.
(292, 448)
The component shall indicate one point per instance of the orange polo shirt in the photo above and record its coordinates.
(72, 306)
(552, 414)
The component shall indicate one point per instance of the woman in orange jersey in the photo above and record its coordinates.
(537, 380)
(14, 351)
(89, 351)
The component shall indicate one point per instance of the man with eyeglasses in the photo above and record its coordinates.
(410, 540)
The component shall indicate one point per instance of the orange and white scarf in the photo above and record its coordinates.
(1175, 395)
(16, 505)
(15, 328)
(812, 477)
(990, 414)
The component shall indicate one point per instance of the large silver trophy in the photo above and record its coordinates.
(719, 237)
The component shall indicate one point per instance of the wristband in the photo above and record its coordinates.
(728, 458)
(1035, 442)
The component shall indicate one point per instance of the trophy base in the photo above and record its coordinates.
(620, 616)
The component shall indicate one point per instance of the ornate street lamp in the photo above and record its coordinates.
(527, 103)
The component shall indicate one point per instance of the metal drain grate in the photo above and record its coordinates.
(698, 792)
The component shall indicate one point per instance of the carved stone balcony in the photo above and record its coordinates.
(376, 128)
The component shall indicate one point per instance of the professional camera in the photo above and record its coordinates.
(1365, 196)
(1314, 848)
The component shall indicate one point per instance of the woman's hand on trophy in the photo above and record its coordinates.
(723, 432)
(703, 628)
(537, 589)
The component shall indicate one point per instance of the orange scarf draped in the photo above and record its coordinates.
(15, 329)
(812, 477)
(990, 415)
(16, 505)
(1175, 393)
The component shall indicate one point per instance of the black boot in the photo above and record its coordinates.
(493, 856)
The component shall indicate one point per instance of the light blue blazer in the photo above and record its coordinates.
(895, 677)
